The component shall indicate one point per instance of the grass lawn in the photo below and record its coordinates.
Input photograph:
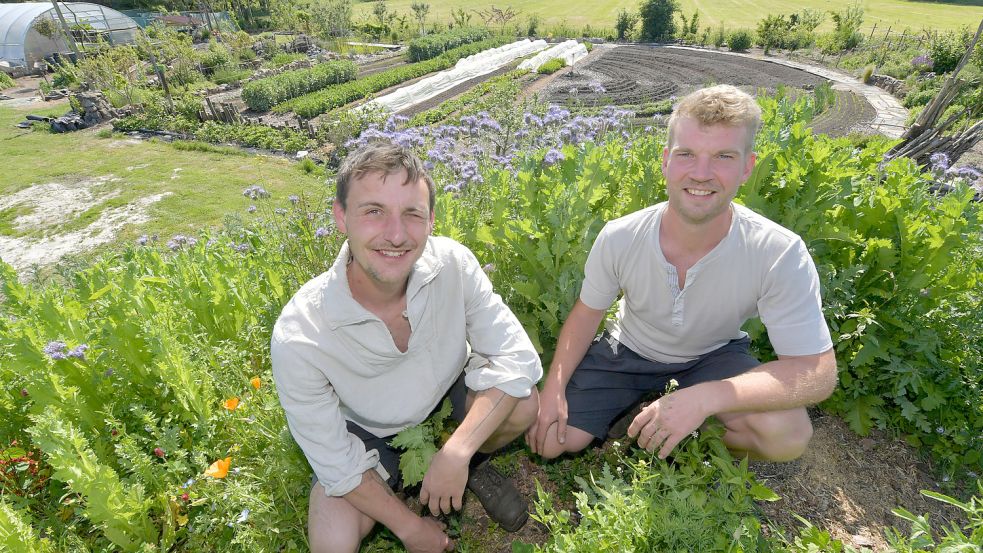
(201, 187)
(899, 14)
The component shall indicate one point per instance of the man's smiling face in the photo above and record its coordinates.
(704, 166)
(387, 220)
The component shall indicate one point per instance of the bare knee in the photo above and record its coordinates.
(781, 435)
(334, 525)
(576, 440)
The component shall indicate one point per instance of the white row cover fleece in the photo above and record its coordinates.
(466, 68)
(570, 51)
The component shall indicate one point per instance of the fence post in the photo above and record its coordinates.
(872, 32)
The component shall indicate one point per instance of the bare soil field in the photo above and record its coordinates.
(638, 74)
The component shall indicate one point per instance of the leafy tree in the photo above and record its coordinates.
(657, 21)
(625, 23)
(420, 11)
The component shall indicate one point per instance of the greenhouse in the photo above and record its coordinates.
(32, 31)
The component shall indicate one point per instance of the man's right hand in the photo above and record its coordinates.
(552, 410)
(426, 535)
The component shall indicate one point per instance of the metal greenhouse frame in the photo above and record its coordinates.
(23, 44)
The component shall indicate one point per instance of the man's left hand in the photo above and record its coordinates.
(443, 485)
(665, 422)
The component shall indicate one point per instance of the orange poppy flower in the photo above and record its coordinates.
(220, 468)
(256, 382)
(231, 403)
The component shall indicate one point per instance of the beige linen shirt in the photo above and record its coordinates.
(759, 269)
(334, 360)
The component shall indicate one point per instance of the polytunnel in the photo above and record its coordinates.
(32, 31)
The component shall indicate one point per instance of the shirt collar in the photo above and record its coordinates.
(340, 307)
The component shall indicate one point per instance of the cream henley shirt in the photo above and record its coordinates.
(334, 360)
(759, 269)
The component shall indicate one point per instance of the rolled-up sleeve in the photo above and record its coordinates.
(495, 334)
(337, 457)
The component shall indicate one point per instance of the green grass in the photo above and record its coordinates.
(899, 14)
(207, 186)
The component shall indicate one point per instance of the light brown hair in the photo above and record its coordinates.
(719, 105)
(386, 157)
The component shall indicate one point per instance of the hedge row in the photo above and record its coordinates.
(263, 94)
(431, 46)
(316, 103)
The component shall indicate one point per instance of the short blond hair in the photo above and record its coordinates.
(719, 105)
(386, 157)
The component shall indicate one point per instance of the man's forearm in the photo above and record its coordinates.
(375, 499)
(783, 384)
(575, 339)
(490, 409)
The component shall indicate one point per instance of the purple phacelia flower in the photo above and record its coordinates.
(488, 268)
(179, 241)
(596, 87)
(242, 248)
(293, 198)
(552, 157)
(321, 232)
(78, 352)
(255, 192)
(923, 63)
(142, 241)
(251, 209)
(55, 350)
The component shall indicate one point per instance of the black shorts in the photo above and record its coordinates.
(613, 379)
(388, 455)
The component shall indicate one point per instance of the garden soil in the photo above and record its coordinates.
(844, 484)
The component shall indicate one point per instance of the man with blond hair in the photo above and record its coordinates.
(401, 320)
(690, 273)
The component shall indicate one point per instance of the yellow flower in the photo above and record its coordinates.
(231, 403)
(220, 468)
(256, 382)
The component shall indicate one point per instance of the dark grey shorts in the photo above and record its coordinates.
(613, 379)
(388, 455)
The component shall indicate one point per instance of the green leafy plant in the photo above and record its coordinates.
(263, 94)
(625, 24)
(316, 103)
(657, 19)
(740, 40)
(551, 66)
(420, 443)
(431, 46)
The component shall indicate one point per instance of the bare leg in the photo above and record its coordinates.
(771, 436)
(576, 440)
(335, 525)
(520, 419)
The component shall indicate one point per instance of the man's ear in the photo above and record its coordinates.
(752, 158)
(665, 159)
(339, 216)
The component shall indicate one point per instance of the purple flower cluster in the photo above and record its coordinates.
(552, 157)
(293, 198)
(321, 232)
(457, 154)
(57, 350)
(922, 63)
(255, 192)
(179, 241)
(242, 248)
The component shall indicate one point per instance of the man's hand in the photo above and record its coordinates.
(426, 536)
(552, 410)
(666, 421)
(443, 485)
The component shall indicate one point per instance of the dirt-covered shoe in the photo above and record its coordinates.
(498, 496)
